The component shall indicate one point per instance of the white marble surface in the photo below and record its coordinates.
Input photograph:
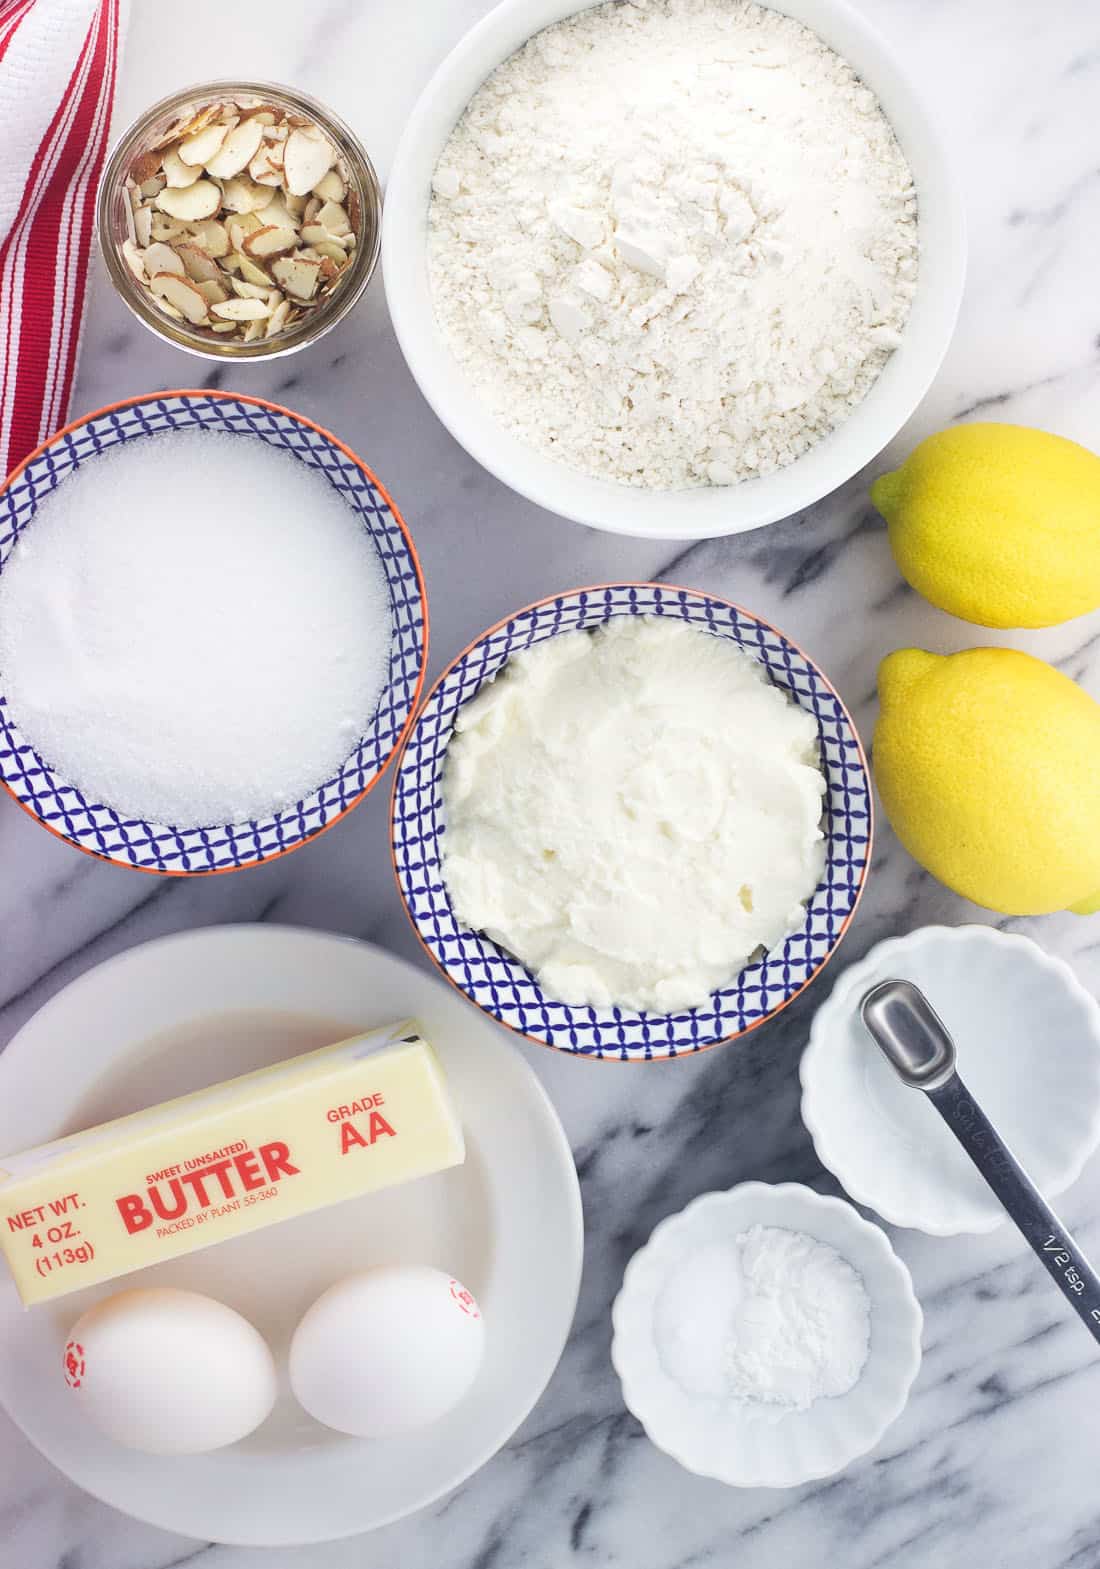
(997, 1452)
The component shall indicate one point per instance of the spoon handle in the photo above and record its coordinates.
(1061, 1257)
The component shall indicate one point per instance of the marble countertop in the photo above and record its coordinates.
(996, 1453)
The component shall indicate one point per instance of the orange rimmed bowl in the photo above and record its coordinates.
(99, 829)
(497, 982)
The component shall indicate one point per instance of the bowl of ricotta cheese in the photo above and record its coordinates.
(673, 270)
(632, 821)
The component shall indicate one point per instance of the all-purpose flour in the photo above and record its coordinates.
(673, 242)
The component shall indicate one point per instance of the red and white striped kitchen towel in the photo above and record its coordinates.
(58, 64)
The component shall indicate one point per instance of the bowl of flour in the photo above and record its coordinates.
(632, 822)
(676, 269)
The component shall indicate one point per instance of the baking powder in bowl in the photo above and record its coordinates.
(673, 243)
(194, 629)
(770, 1316)
(633, 812)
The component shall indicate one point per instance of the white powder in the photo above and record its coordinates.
(673, 242)
(772, 1316)
(194, 629)
(633, 812)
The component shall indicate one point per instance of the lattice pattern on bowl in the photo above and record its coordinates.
(498, 983)
(158, 847)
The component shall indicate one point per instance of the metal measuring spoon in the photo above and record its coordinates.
(916, 1044)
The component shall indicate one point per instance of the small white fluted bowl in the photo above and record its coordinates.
(757, 1445)
(1028, 1040)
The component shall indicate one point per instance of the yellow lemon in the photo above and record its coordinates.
(997, 524)
(988, 765)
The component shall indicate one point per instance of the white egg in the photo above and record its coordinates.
(387, 1350)
(171, 1372)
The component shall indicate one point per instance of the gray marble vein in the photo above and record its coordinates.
(996, 1455)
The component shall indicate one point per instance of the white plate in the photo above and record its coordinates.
(1028, 1039)
(508, 1223)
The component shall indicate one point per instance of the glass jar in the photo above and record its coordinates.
(364, 197)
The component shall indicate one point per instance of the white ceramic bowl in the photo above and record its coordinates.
(748, 1445)
(1028, 1041)
(626, 509)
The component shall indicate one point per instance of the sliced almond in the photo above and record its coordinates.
(251, 291)
(314, 233)
(297, 276)
(335, 218)
(172, 133)
(213, 291)
(168, 308)
(164, 229)
(200, 147)
(269, 241)
(190, 124)
(232, 262)
(132, 257)
(241, 310)
(178, 174)
(295, 205)
(198, 264)
(278, 319)
(254, 272)
(153, 186)
(267, 166)
(182, 294)
(146, 166)
(162, 258)
(329, 269)
(277, 212)
(254, 330)
(243, 195)
(266, 117)
(330, 187)
(333, 250)
(239, 226)
(143, 226)
(237, 150)
(200, 200)
(212, 236)
(312, 208)
(223, 326)
(308, 157)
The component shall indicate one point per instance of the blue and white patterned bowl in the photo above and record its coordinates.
(498, 983)
(158, 847)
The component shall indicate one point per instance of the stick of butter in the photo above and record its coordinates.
(359, 1115)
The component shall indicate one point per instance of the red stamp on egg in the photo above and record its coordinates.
(465, 1299)
(74, 1364)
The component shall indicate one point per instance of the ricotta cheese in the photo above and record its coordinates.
(633, 813)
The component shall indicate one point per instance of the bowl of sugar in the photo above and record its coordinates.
(674, 270)
(213, 632)
(632, 822)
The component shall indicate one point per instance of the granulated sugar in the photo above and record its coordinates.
(673, 242)
(194, 629)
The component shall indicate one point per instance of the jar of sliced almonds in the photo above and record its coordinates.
(240, 220)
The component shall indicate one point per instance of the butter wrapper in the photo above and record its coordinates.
(362, 1114)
